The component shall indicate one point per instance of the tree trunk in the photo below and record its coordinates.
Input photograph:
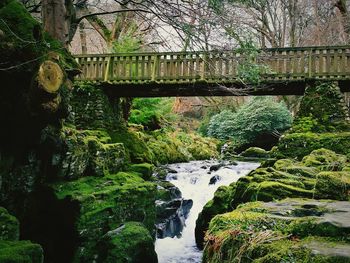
(82, 34)
(57, 17)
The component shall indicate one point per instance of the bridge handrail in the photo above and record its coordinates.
(306, 48)
(278, 64)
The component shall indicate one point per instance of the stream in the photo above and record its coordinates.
(193, 181)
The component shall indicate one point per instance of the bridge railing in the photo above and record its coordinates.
(279, 64)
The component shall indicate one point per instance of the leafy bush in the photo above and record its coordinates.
(262, 115)
(151, 112)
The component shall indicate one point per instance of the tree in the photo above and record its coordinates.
(262, 115)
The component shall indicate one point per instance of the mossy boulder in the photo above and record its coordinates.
(291, 230)
(130, 243)
(134, 143)
(11, 249)
(221, 203)
(145, 169)
(333, 185)
(286, 178)
(9, 226)
(20, 252)
(325, 160)
(298, 145)
(106, 203)
(90, 153)
(255, 152)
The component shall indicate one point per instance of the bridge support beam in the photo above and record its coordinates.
(201, 89)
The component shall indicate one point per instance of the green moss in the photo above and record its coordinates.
(132, 242)
(91, 153)
(20, 252)
(9, 226)
(333, 185)
(134, 144)
(221, 203)
(325, 160)
(302, 171)
(283, 164)
(322, 109)
(105, 203)
(16, 20)
(255, 152)
(145, 169)
(298, 145)
(285, 231)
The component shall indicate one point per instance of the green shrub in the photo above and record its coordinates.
(260, 116)
(152, 113)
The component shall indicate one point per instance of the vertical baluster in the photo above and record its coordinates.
(185, 67)
(116, 72)
(136, 68)
(204, 66)
(227, 70)
(131, 68)
(197, 66)
(343, 63)
(321, 63)
(179, 66)
(155, 68)
(310, 63)
(168, 67)
(336, 62)
(142, 67)
(288, 60)
(122, 68)
(149, 67)
(220, 62)
(328, 62)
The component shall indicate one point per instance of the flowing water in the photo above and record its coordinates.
(193, 181)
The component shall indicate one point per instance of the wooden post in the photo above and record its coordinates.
(310, 64)
(155, 67)
(204, 62)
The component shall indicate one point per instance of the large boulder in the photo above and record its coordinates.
(11, 249)
(282, 179)
(291, 230)
(221, 203)
(104, 203)
(130, 242)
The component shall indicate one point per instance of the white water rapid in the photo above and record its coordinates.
(193, 181)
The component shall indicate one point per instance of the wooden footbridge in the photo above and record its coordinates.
(280, 71)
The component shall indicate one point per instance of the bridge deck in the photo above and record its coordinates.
(282, 71)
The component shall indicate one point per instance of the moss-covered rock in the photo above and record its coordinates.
(145, 169)
(298, 145)
(9, 226)
(105, 203)
(221, 203)
(255, 152)
(90, 153)
(333, 185)
(285, 179)
(134, 143)
(325, 160)
(291, 230)
(12, 250)
(130, 243)
(20, 252)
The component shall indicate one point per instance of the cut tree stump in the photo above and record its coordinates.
(50, 76)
